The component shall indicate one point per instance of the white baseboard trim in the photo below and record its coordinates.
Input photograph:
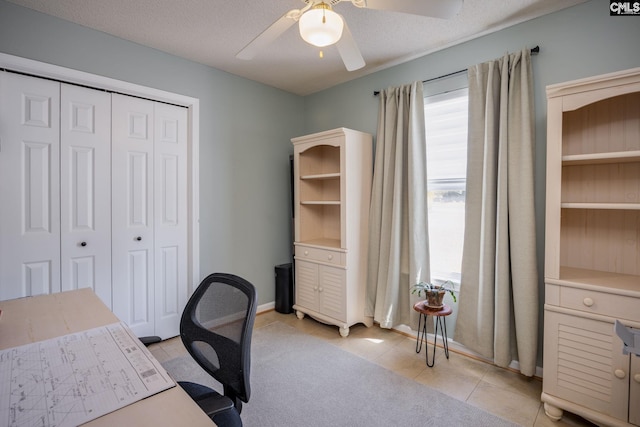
(266, 307)
(461, 349)
(454, 346)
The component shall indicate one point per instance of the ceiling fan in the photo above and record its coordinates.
(320, 26)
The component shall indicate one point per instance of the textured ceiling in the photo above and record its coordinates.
(211, 32)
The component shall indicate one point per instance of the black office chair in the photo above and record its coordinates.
(216, 328)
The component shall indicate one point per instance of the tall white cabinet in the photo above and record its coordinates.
(94, 194)
(592, 259)
(332, 191)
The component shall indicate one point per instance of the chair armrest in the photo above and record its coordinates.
(214, 404)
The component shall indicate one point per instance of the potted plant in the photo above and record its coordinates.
(434, 293)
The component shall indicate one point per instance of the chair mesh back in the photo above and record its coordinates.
(216, 329)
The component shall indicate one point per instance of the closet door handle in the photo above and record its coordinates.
(83, 243)
(139, 238)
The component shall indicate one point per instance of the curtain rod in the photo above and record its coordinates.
(534, 50)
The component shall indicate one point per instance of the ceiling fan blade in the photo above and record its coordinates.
(445, 9)
(269, 35)
(349, 51)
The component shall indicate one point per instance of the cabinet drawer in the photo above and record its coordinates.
(325, 256)
(606, 304)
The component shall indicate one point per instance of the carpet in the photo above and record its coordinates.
(300, 380)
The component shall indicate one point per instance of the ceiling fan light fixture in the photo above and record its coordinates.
(321, 26)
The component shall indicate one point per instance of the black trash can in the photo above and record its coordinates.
(284, 288)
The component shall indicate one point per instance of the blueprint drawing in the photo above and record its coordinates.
(75, 378)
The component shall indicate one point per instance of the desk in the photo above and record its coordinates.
(438, 313)
(32, 319)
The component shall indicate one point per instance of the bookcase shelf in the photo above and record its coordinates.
(598, 158)
(321, 176)
(608, 206)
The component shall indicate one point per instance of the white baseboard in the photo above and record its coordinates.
(454, 346)
(266, 307)
(459, 348)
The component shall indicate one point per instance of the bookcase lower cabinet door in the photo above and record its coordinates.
(634, 391)
(320, 293)
(585, 367)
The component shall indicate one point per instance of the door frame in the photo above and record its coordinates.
(68, 75)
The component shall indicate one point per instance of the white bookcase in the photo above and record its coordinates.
(592, 249)
(332, 187)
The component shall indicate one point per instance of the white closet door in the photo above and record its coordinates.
(132, 213)
(29, 186)
(170, 212)
(85, 197)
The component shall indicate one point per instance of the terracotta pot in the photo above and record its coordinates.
(434, 298)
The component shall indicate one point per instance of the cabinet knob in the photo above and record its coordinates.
(83, 243)
(588, 302)
(619, 373)
(138, 238)
(320, 289)
(636, 378)
(330, 257)
(315, 288)
(306, 252)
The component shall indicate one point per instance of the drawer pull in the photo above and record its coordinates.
(619, 373)
(588, 302)
(306, 252)
(330, 257)
(636, 378)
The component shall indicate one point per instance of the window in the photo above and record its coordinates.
(446, 135)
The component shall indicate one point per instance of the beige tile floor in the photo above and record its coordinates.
(501, 392)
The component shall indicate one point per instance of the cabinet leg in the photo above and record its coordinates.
(344, 332)
(299, 314)
(552, 412)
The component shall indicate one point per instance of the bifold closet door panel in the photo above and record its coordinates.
(171, 217)
(29, 186)
(85, 197)
(132, 213)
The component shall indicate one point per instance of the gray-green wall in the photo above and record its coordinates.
(245, 132)
(245, 127)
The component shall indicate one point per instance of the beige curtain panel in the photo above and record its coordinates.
(498, 309)
(398, 231)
